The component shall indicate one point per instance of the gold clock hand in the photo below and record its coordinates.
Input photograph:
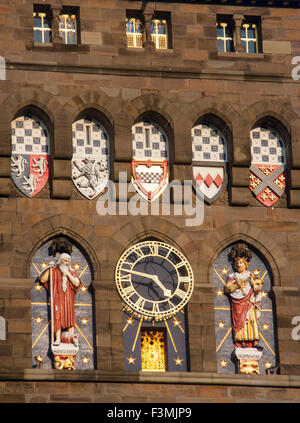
(167, 292)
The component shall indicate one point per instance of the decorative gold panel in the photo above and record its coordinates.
(153, 350)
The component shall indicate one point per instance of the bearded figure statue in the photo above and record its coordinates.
(61, 282)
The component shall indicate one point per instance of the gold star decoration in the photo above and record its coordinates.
(39, 358)
(85, 359)
(83, 288)
(264, 294)
(84, 321)
(178, 361)
(176, 322)
(38, 287)
(224, 270)
(130, 321)
(221, 324)
(44, 265)
(223, 363)
(39, 319)
(219, 292)
(256, 272)
(268, 365)
(77, 266)
(131, 360)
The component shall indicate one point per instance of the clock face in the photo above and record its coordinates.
(154, 279)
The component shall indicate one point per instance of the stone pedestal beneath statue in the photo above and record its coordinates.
(248, 360)
(64, 356)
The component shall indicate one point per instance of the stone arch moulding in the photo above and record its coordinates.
(213, 106)
(94, 100)
(26, 97)
(141, 228)
(41, 102)
(149, 103)
(279, 111)
(30, 241)
(256, 238)
(283, 113)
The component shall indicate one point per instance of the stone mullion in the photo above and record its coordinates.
(238, 19)
(56, 11)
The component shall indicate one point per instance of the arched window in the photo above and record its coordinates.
(245, 323)
(91, 157)
(62, 309)
(30, 159)
(210, 158)
(268, 164)
(150, 160)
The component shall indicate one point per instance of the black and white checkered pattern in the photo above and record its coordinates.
(96, 146)
(29, 135)
(149, 142)
(208, 144)
(267, 146)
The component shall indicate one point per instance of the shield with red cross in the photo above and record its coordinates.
(267, 182)
(209, 181)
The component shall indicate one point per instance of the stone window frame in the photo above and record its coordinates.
(146, 38)
(44, 11)
(236, 22)
(57, 43)
(73, 13)
(226, 23)
(134, 39)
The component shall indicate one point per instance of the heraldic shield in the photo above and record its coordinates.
(90, 162)
(150, 160)
(209, 162)
(30, 159)
(268, 168)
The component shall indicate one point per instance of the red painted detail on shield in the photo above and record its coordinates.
(208, 180)
(218, 181)
(161, 181)
(199, 179)
(267, 196)
(39, 169)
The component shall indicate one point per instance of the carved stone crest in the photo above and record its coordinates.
(90, 162)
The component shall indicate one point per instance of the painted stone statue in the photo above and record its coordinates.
(244, 288)
(62, 282)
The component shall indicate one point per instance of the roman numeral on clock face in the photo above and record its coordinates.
(140, 302)
(184, 279)
(155, 308)
(180, 293)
